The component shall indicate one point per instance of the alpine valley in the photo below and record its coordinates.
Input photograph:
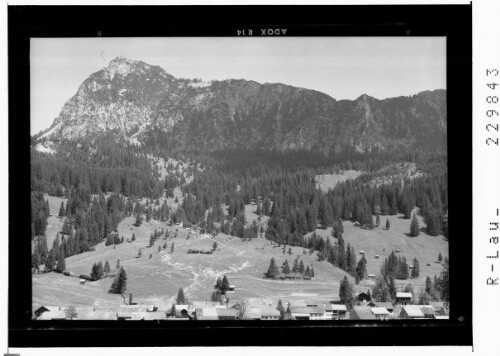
(169, 188)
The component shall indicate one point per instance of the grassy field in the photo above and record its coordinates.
(157, 279)
(380, 241)
(325, 182)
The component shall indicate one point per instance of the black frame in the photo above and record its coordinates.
(452, 21)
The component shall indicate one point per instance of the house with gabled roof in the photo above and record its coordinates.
(403, 297)
(335, 311)
(362, 313)
(380, 313)
(411, 312)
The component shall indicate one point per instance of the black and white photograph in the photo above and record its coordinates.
(226, 178)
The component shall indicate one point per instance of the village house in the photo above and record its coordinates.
(380, 313)
(227, 314)
(335, 311)
(411, 312)
(362, 313)
(428, 311)
(386, 305)
(206, 314)
(269, 312)
(363, 297)
(42, 309)
(252, 312)
(53, 315)
(403, 298)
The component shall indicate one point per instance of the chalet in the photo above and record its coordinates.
(206, 314)
(362, 313)
(269, 312)
(96, 315)
(363, 297)
(397, 250)
(386, 305)
(252, 313)
(42, 309)
(428, 311)
(411, 312)
(317, 313)
(82, 280)
(181, 311)
(124, 315)
(403, 297)
(380, 313)
(377, 257)
(362, 253)
(439, 308)
(301, 313)
(335, 311)
(371, 276)
(227, 314)
(53, 315)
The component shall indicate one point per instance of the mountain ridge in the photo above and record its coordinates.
(137, 100)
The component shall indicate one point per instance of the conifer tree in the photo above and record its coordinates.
(272, 271)
(377, 220)
(381, 291)
(312, 272)
(392, 287)
(285, 268)
(133, 236)
(414, 228)
(295, 267)
(387, 224)
(50, 262)
(440, 257)
(281, 309)
(119, 285)
(62, 210)
(301, 268)
(225, 284)
(415, 272)
(172, 247)
(181, 298)
(346, 293)
(107, 268)
(214, 246)
(307, 272)
(428, 286)
(61, 261)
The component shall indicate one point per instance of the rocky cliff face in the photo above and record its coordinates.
(140, 101)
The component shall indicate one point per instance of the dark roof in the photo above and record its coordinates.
(387, 305)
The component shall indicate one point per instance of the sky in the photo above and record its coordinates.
(342, 67)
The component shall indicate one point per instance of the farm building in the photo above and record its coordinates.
(363, 297)
(42, 309)
(386, 305)
(82, 280)
(231, 287)
(206, 314)
(428, 311)
(371, 276)
(362, 313)
(53, 315)
(403, 297)
(97, 315)
(411, 312)
(181, 310)
(252, 313)
(268, 312)
(439, 308)
(335, 311)
(380, 313)
(227, 314)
